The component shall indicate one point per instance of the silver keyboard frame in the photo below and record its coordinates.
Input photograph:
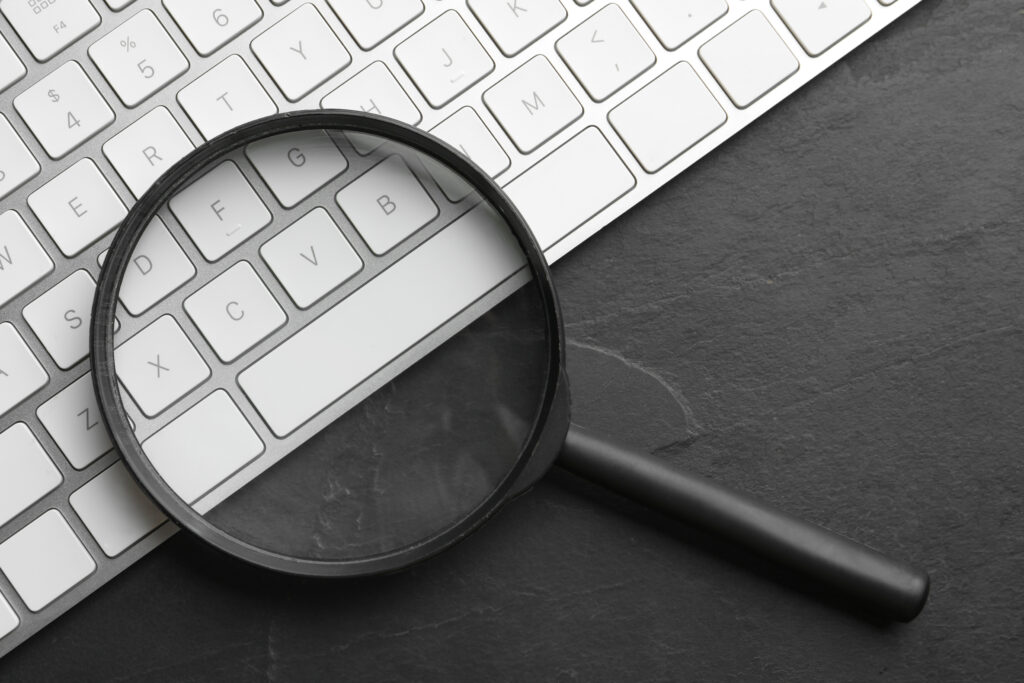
(595, 114)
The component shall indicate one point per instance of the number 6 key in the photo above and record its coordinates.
(209, 25)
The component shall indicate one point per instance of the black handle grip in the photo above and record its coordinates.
(889, 588)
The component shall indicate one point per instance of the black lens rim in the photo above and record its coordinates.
(101, 337)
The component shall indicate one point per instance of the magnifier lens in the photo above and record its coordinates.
(332, 349)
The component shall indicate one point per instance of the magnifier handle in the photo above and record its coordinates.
(890, 588)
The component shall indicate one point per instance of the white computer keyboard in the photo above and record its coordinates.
(580, 109)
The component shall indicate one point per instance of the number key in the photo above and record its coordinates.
(209, 25)
(138, 58)
(64, 110)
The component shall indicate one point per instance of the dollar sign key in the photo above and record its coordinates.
(54, 95)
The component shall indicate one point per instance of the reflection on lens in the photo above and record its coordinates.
(331, 346)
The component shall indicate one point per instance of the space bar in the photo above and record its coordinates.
(570, 186)
(336, 352)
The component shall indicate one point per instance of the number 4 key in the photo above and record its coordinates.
(64, 110)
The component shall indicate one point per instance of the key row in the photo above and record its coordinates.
(532, 104)
(79, 206)
(48, 27)
(45, 558)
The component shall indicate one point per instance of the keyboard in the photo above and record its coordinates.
(579, 109)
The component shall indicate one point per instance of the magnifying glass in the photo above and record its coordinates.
(327, 344)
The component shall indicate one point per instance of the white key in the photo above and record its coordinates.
(444, 59)
(11, 68)
(26, 472)
(553, 207)
(220, 211)
(224, 97)
(371, 21)
(17, 165)
(45, 560)
(77, 207)
(374, 90)
(675, 22)
(22, 261)
(144, 150)
(514, 24)
(301, 52)
(138, 58)
(159, 365)
(820, 25)
(115, 510)
(49, 27)
(351, 341)
(118, 4)
(73, 421)
(295, 165)
(311, 257)
(21, 375)
(464, 131)
(61, 316)
(235, 312)
(64, 110)
(748, 59)
(605, 52)
(210, 25)
(667, 117)
(192, 467)
(533, 104)
(386, 204)
(8, 619)
(158, 267)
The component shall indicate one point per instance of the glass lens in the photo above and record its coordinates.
(331, 348)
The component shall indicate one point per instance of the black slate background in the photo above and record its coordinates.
(827, 312)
